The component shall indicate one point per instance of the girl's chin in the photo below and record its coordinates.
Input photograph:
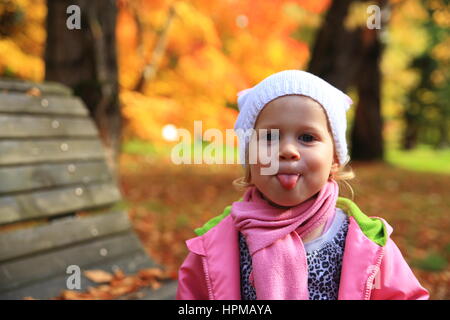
(286, 202)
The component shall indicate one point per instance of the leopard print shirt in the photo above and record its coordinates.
(324, 265)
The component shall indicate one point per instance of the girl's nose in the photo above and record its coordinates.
(289, 152)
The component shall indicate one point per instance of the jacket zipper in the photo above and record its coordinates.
(208, 280)
(369, 283)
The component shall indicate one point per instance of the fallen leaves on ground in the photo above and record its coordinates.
(117, 284)
(34, 92)
(98, 276)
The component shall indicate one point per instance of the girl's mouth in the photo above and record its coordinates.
(288, 181)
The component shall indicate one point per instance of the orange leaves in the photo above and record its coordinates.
(211, 74)
(192, 28)
(21, 49)
(314, 5)
(116, 284)
(98, 276)
(34, 92)
(147, 115)
(212, 50)
(13, 60)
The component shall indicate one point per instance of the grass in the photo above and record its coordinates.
(432, 262)
(422, 159)
(204, 151)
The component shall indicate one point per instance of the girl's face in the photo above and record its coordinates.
(306, 157)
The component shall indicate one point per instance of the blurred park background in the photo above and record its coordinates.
(147, 67)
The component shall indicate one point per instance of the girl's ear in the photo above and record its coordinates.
(335, 162)
(334, 167)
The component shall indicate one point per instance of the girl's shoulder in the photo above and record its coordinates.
(374, 228)
(213, 222)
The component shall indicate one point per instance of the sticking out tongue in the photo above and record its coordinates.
(288, 181)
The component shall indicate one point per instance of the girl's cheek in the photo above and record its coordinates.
(267, 155)
(257, 178)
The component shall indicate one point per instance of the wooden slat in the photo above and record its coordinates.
(52, 163)
(17, 273)
(41, 204)
(23, 126)
(47, 87)
(61, 232)
(33, 151)
(31, 177)
(130, 264)
(22, 103)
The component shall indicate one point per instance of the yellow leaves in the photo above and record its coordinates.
(286, 53)
(357, 14)
(406, 39)
(209, 57)
(21, 52)
(438, 77)
(191, 28)
(302, 16)
(13, 59)
(405, 32)
(442, 50)
(442, 17)
(271, 54)
(146, 115)
(210, 72)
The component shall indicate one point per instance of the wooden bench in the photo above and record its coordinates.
(59, 204)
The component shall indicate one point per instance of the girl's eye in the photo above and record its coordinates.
(306, 138)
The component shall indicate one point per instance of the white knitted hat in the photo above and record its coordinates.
(335, 103)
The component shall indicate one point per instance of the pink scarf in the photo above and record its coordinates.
(273, 235)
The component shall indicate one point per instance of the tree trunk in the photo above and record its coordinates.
(366, 136)
(150, 69)
(337, 53)
(351, 57)
(85, 60)
(411, 132)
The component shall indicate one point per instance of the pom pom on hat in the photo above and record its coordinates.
(335, 103)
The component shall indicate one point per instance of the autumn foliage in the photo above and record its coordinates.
(212, 50)
(185, 60)
(116, 285)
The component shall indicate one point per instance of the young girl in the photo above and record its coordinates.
(291, 236)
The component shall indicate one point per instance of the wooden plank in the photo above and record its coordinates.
(15, 152)
(26, 126)
(130, 264)
(61, 232)
(40, 204)
(20, 272)
(32, 177)
(47, 87)
(22, 103)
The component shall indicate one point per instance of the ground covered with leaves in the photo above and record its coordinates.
(167, 202)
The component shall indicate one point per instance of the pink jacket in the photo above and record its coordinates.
(369, 270)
